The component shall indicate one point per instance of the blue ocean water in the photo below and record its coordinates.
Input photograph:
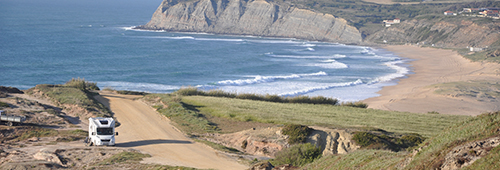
(52, 41)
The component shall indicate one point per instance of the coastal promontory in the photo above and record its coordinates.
(251, 17)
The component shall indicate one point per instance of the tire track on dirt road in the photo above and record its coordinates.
(142, 128)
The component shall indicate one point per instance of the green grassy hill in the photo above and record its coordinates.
(433, 152)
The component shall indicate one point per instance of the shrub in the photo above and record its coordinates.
(127, 92)
(3, 104)
(250, 96)
(297, 133)
(188, 91)
(82, 84)
(323, 100)
(372, 141)
(297, 155)
(299, 99)
(355, 104)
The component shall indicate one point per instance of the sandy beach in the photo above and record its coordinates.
(434, 66)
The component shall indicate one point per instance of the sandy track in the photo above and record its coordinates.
(144, 129)
(434, 66)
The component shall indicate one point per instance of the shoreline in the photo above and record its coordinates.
(431, 66)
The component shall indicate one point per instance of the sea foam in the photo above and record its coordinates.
(266, 79)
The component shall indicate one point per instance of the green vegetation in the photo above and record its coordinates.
(490, 54)
(359, 159)
(193, 91)
(190, 114)
(322, 115)
(125, 157)
(82, 84)
(64, 135)
(476, 128)
(297, 155)
(75, 92)
(480, 90)
(186, 116)
(4, 105)
(387, 142)
(297, 133)
(490, 161)
(126, 92)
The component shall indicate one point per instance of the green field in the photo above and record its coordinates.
(322, 115)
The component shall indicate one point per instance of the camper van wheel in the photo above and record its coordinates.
(9, 123)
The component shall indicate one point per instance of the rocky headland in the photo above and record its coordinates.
(251, 17)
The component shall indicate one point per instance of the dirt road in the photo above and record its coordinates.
(144, 129)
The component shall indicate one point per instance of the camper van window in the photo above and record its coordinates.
(104, 131)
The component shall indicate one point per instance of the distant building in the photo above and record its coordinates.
(475, 49)
(448, 13)
(490, 13)
(388, 23)
(470, 10)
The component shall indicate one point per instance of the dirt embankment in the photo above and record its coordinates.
(268, 141)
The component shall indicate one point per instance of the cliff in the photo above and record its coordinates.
(251, 17)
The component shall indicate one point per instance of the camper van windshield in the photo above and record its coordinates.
(104, 131)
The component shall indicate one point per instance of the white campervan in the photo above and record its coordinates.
(101, 131)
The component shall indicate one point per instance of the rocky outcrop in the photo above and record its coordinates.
(269, 141)
(441, 33)
(332, 141)
(467, 154)
(251, 17)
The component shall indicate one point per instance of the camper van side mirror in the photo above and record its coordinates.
(93, 133)
(116, 133)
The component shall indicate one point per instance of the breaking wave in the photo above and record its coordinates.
(266, 79)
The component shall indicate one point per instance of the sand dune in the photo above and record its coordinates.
(434, 66)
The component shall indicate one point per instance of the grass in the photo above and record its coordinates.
(359, 159)
(193, 91)
(323, 115)
(476, 128)
(387, 142)
(125, 156)
(490, 161)
(64, 135)
(4, 105)
(75, 92)
(297, 155)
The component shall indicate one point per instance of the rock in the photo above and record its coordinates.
(332, 141)
(251, 17)
(262, 166)
(47, 156)
(33, 139)
(285, 167)
(466, 154)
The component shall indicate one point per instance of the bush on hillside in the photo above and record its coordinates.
(373, 141)
(297, 155)
(355, 104)
(82, 84)
(297, 133)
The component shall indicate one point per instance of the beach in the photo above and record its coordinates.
(431, 66)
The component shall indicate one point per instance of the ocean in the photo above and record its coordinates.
(53, 41)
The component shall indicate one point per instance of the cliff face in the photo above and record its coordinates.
(251, 17)
(448, 34)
